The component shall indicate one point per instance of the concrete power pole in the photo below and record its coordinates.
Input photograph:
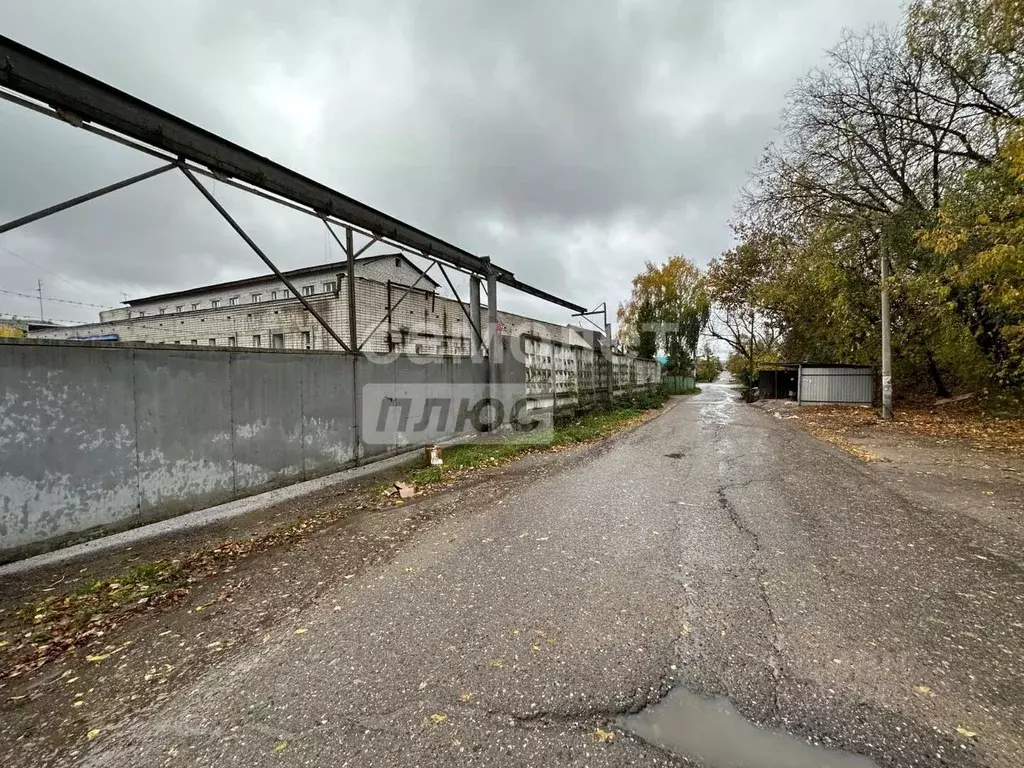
(886, 340)
(40, 284)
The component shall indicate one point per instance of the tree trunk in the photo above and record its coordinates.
(933, 371)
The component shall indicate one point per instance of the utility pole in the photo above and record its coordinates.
(40, 284)
(886, 339)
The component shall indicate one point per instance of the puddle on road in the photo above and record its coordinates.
(712, 731)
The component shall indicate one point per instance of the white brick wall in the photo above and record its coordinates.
(422, 323)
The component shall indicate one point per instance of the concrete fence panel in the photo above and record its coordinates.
(67, 441)
(183, 401)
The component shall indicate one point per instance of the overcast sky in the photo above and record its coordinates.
(570, 140)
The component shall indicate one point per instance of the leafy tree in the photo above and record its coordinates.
(906, 142)
(980, 240)
(667, 310)
(708, 365)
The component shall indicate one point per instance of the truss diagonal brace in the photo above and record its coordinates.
(462, 306)
(392, 309)
(266, 260)
(84, 198)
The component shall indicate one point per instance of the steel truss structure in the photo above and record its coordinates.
(37, 82)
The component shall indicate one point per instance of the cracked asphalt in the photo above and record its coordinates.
(713, 548)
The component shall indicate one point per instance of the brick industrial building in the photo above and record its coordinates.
(260, 312)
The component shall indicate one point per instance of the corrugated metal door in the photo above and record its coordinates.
(826, 384)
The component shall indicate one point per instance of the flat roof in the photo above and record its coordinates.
(769, 366)
(301, 271)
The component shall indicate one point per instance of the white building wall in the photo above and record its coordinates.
(422, 322)
(328, 281)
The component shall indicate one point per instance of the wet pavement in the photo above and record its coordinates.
(593, 616)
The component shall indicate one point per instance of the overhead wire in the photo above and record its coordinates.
(48, 298)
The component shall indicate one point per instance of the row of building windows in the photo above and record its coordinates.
(255, 298)
(276, 340)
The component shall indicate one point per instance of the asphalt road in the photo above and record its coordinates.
(713, 550)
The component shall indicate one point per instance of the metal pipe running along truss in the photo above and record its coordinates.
(64, 93)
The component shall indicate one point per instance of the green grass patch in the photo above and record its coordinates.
(501, 450)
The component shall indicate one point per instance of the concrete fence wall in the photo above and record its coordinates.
(566, 376)
(95, 437)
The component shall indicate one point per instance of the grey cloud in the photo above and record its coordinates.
(571, 141)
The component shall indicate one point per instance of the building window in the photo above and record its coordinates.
(256, 340)
(257, 298)
(308, 290)
(214, 303)
(329, 287)
(233, 301)
(273, 295)
(231, 341)
(213, 342)
(195, 341)
(177, 342)
(142, 313)
(180, 308)
(277, 340)
(195, 306)
(163, 310)
(305, 339)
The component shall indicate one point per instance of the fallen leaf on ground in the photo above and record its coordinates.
(438, 717)
(301, 630)
(465, 696)
(97, 658)
(92, 734)
(281, 746)
(966, 734)
(601, 736)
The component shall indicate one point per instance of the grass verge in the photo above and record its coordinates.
(459, 459)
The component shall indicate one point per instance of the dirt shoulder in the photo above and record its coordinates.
(93, 641)
(950, 459)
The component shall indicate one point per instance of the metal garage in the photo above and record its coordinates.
(817, 383)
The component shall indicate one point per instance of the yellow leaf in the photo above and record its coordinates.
(301, 630)
(281, 746)
(924, 690)
(78, 703)
(602, 736)
(465, 696)
(97, 658)
(92, 734)
(438, 717)
(965, 733)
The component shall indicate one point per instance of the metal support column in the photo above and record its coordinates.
(350, 280)
(474, 314)
(353, 337)
(494, 350)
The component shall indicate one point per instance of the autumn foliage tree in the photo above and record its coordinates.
(908, 142)
(666, 311)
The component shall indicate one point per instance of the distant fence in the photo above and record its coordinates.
(677, 385)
